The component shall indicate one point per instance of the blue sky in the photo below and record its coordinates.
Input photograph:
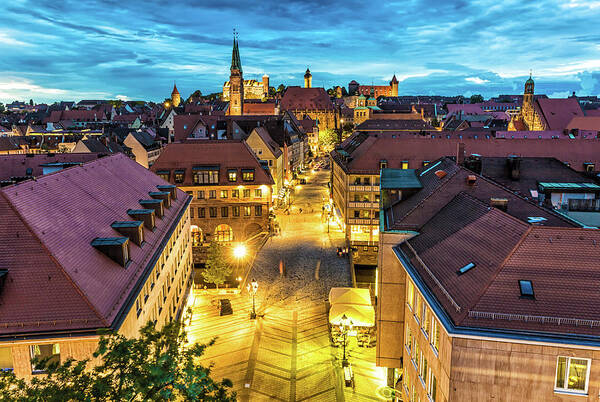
(74, 50)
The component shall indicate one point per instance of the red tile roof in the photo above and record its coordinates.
(77, 115)
(17, 165)
(557, 113)
(62, 213)
(561, 263)
(255, 108)
(585, 123)
(297, 98)
(227, 154)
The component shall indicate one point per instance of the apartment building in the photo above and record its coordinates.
(103, 245)
(231, 190)
(483, 294)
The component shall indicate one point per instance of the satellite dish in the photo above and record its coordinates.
(385, 393)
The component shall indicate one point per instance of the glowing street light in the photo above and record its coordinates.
(252, 288)
(239, 251)
(345, 326)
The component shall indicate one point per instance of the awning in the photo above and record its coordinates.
(360, 315)
(350, 296)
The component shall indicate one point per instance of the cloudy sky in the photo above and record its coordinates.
(93, 49)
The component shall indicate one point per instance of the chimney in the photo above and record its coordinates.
(115, 248)
(168, 187)
(460, 153)
(132, 229)
(473, 163)
(500, 203)
(471, 179)
(145, 215)
(162, 195)
(156, 205)
(513, 163)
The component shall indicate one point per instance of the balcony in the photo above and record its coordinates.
(363, 188)
(368, 204)
(359, 221)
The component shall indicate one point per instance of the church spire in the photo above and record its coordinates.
(236, 63)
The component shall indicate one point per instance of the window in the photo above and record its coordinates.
(232, 175)
(224, 212)
(465, 268)
(201, 213)
(526, 289)
(382, 164)
(192, 213)
(247, 193)
(248, 174)
(213, 212)
(49, 351)
(367, 181)
(235, 211)
(138, 307)
(212, 194)
(258, 210)
(410, 294)
(224, 233)
(435, 334)
(425, 163)
(357, 214)
(404, 164)
(247, 211)
(179, 175)
(432, 386)
(224, 193)
(426, 319)
(164, 174)
(417, 309)
(423, 366)
(235, 193)
(408, 340)
(196, 236)
(357, 180)
(6, 360)
(200, 195)
(258, 193)
(572, 374)
(406, 380)
(209, 176)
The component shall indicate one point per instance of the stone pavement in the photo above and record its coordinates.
(285, 354)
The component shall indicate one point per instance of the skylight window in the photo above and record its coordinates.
(536, 219)
(466, 268)
(526, 288)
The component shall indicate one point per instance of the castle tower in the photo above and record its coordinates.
(265, 83)
(175, 97)
(236, 82)
(307, 79)
(394, 85)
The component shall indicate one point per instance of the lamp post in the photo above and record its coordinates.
(252, 288)
(345, 326)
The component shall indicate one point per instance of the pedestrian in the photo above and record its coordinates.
(300, 210)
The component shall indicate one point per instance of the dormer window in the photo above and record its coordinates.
(206, 175)
(164, 174)
(248, 174)
(232, 175)
(179, 175)
(115, 248)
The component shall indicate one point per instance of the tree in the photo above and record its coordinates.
(217, 270)
(327, 139)
(30, 102)
(476, 98)
(157, 365)
(1, 107)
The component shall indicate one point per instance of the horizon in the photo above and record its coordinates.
(62, 52)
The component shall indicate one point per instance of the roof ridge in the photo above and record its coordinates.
(54, 260)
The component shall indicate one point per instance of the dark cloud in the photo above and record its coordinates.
(451, 47)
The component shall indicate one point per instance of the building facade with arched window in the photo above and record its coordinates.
(232, 192)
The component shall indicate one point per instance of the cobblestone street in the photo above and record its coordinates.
(285, 354)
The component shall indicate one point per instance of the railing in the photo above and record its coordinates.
(358, 204)
(584, 205)
(534, 318)
(359, 221)
(438, 283)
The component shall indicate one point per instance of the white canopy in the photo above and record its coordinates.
(350, 296)
(360, 315)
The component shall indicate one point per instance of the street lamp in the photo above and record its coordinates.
(239, 251)
(252, 288)
(345, 326)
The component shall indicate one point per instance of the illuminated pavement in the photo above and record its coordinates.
(285, 355)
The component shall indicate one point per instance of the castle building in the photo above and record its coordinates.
(175, 97)
(307, 79)
(378, 90)
(236, 83)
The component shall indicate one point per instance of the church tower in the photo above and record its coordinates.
(175, 97)
(307, 79)
(394, 85)
(236, 82)
(527, 110)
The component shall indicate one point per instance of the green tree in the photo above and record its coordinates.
(1, 107)
(327, 139)
(217, 269)
(158, 365)
(476, 98)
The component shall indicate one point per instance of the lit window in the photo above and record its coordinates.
(179, 175)
(247, 211)
(248, 174)
(408, 340)
(200, 195)
(258, 193)
(247, 193)
(224, 193)
(435, 334)
(432, 386)
(235, 211)
(212, 194)
(410, 294)
(232, 175)
(235, 193)
(50, 351)
(224, 212)
(404, 164)
(258, 210)
(208, 176)
(572, 374)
